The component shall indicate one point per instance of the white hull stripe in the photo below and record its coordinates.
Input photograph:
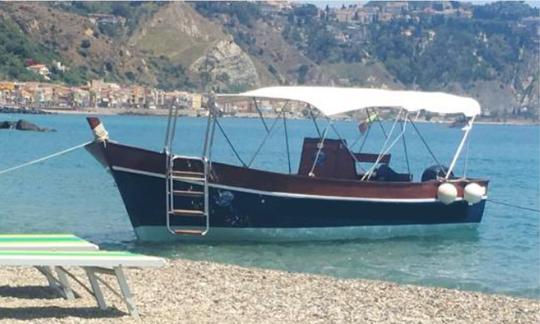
(286, 194)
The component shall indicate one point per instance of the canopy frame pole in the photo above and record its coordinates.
(381, 153)
(173, 129)
(230, 143)
(344, 144)
(364, 140)
(378, 122)
(426, 144)
(367, 133)
(320, 146)
(207, 131)
(314, 121)
(263, 141)
(386, 151)
(404, 141)
(284, 112)
(166, 148)
(260, 115)
(209, 136)
(210, 146)
(460, 147)
(466, 160)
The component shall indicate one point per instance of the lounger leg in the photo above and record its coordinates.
(98, 294)
(47, 272)
(66, 288)
(122, 282)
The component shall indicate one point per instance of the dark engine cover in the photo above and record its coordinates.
(435, 171)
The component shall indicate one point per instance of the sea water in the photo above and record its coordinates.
(73, 193)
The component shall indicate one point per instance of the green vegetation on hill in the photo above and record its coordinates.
(441, 51)
(172, 76)
(429, 52)
(15, 49)
(505, 10)
(133, 11)
(479, 49)
(245, 13)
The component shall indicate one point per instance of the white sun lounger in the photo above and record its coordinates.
(50, 242)
(93, 262)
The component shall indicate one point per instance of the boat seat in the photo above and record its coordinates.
(335, 160)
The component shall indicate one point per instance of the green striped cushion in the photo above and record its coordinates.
(69, 253)
(45, 238)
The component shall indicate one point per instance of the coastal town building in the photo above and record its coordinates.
(40, 69)
(95, 94)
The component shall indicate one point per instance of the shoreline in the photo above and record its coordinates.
(192, 113)
(199, 291)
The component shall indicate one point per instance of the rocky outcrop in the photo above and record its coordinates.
(24, 125)
(226, 66)
(177, 32)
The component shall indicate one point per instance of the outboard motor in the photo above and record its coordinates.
(434, 172)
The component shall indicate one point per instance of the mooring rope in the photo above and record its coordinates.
(76, 147)
(513, 206)
(44, 158)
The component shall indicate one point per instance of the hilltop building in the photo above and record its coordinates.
(40, 69)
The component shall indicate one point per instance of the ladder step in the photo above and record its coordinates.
(196, 179)
(188, 231)
(188, 193)
(188, 212)
(188, 174)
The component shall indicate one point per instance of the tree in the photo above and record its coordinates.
(85, 43)
(302, 73)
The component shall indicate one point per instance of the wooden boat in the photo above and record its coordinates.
(169, 196)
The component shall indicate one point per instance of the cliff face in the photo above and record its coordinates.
(211, 58)
(226, 66)
(237, 46)
(177, 32)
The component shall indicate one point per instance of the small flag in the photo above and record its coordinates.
(364, 125)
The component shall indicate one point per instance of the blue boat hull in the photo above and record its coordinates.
(242, 214)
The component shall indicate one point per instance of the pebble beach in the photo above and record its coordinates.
(202, 292)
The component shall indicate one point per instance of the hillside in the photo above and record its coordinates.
(488, 51)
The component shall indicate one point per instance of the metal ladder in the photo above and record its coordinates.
(193, 178)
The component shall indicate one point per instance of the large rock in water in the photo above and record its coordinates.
(7, 125)
(24, 125)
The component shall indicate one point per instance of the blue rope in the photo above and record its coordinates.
(513, 206)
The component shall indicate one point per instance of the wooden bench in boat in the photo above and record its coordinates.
(93, 262)
(335, 161)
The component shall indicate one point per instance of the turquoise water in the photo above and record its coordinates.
(75, 194)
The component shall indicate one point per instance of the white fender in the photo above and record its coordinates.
(473, 193)
(447, 193)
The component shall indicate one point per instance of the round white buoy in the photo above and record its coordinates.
(473, 193)
(447, 193)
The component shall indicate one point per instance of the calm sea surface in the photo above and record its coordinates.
(74, 193)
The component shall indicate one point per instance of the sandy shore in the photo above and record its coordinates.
(201, 292)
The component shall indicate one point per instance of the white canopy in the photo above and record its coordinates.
(332, 100)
